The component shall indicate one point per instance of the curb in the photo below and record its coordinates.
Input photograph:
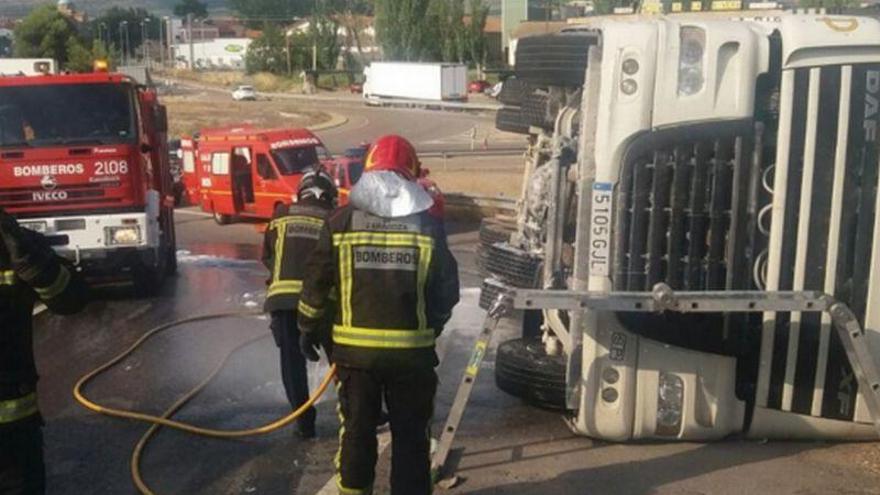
(336, 120)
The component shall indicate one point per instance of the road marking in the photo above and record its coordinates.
(139, 312)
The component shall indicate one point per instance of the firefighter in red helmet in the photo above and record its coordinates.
(288, 242)
(413, 166)
(386, 259)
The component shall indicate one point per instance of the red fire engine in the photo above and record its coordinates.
(84, 160)
(247, 172)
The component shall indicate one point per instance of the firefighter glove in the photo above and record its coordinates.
(309, 348)
(27, 255)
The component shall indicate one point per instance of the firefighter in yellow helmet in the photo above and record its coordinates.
(288, 242)
(386, 259)
(29, 271)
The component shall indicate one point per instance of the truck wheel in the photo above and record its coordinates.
(222, 219)
(553, 59)
(524, 370)
(535, 111)
(513, 91)
(509, 119)
(493, 231)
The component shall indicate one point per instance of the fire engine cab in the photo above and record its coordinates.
(247, 172)
(83, 160)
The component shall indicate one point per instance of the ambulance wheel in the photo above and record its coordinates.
(222, 219)
(523, 369)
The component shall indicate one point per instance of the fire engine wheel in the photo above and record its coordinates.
(524, 370)
(222, 219)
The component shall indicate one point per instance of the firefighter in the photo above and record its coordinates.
(421, 177)
(385, 258)
(289, 240)
(29, 271)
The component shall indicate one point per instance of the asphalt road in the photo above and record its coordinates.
(505, 446)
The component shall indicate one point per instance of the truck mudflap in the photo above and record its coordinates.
(664, 299)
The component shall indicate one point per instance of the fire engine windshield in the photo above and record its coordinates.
(66, 114)
(292, 161)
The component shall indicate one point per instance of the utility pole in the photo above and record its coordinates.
(169, 40)
(162, 42)
(287, 35)
(192, 49)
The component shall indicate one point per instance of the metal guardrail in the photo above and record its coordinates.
(493, 202)
(441, 105)
(476, 152)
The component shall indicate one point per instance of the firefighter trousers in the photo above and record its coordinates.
(409, 396)
(294, 374)
(22, 471)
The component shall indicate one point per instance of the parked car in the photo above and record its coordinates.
(356, 88)
(243, 93)
(347, 168)
(478, 86)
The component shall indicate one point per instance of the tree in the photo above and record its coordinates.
(477, 45)
(323, 30)
(112, 19)
(45, 33)
(268, 53)
(256, 12)
(198, 9)
(403, 28)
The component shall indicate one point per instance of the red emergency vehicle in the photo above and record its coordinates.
(84, 160)
(247, 172)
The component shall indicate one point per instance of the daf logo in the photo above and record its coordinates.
(48, 182)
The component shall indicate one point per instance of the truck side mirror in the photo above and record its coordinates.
(161, 119)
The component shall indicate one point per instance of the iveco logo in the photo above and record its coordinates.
(48, 182)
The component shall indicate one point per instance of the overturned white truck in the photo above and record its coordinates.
(698, 228)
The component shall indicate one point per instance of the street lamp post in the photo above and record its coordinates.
(287, 36)
(124, 41)
(145, 48)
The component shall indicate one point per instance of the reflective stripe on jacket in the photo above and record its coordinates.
(288, 242)
(15, 409)
(396, 283)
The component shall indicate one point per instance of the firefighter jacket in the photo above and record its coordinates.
(36, 274)
(289, 240)
(395, 281)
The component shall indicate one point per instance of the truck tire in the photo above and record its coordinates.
(513, 91)
(509, 119)
(222, 219)
(536, 112)
(553, 59)
(493, 231)
(524, 370)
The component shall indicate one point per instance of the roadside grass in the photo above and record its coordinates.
(187, 115)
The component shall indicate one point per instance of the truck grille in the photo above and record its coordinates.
(72, 195)
(792, 207)
(681, 210)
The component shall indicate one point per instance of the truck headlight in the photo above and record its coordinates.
(691, 52)
(115, 236)
(670, 401)
(40, 226)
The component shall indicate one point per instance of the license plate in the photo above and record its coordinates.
(600, 229)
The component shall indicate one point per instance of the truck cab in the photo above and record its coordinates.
(731, 155)
(247, 172)
(84, 160)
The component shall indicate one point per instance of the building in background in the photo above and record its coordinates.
(219, 53)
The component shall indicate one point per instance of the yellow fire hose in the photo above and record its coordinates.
(164, 420)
